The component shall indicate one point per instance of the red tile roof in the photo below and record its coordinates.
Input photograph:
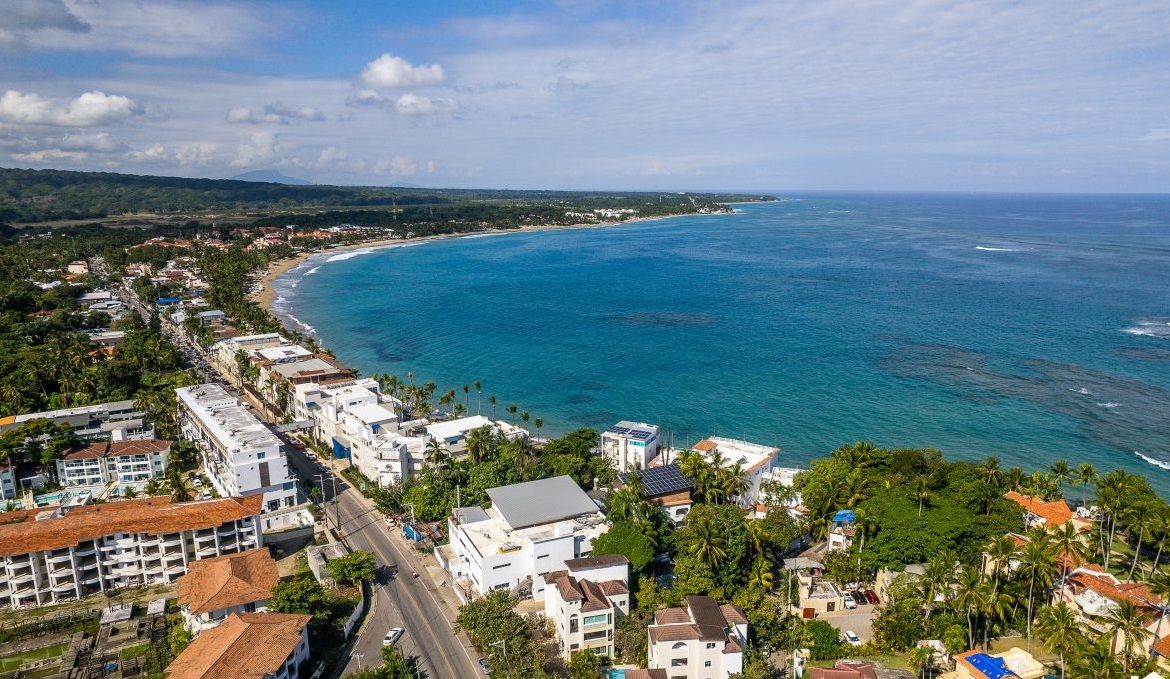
(226, 581)
(245, 646)
(1054, 512)
(117, 448)
(21, 532)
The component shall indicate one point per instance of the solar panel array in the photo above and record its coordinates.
(663, 480)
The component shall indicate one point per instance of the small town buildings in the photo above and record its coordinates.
(532, 528)
(631, 445)
(78, 268)
(816, 594)
(584, 601)
(1047, 514)
(1095, 595)
(665, 487)
(211, 317)
(62, 553)
(1014, 662)
(241, 455)
(247, 646)
(842, 530)
(116, 421)
(224, 351)
(699, 640)
(754, 460)
(121, 462)
(888, 580)
(213, 589)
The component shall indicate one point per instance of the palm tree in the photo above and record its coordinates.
(1086, 476)
(1160, 526)
(1036, 565)
(1138, 516)
(1127, 622)
(524, 453)
(708, 546)
(921, 658)
(511, 411)
(968, 597)
(997, 606)
(466, 396)
(921, 492)
(936, 579)
(1060, 472)
(990, 470)
(437, 454)
(478, 395)
(761, 574)
(152, 487)
(478, 441)
(538, 423)
(492, 402)
(524, 417)
(1001, 552)
(1097, 662)
(1060, 628)
(174, 479)
(1070, 546)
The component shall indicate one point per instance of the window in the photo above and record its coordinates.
(594, 619)
(503, 565)
(260, 456)
(678, 662)
(573, 624)
(707, 663)
(710, 646)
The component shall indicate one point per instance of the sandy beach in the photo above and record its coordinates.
(266, 295)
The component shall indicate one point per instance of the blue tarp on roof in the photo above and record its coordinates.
(844, 516)
(990, 666)
(167, 301)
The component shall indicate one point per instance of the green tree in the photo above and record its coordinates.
(353, 568)
(627, 539)
(299, 595)
(585, 664)
(1060, 629)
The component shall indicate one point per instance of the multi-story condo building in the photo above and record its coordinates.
(241, 455)
(531, 529)
(224, 351)
(584, 601)
(699, 640)
(117, 421)
(215, 588)
(53, 555)
(247, 646)
(755, 461)
(8, 487)
(631, 445)
(453, 433)
(122, 462)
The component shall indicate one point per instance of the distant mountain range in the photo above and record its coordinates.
(272, 177)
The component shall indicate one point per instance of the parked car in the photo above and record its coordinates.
(393, 636)
(198, 482)
(872, 596)
(851, 638)
(859, 598)
(483, 665)
(205, 495)
(849, 602)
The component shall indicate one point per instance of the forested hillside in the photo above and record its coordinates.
(46, 195)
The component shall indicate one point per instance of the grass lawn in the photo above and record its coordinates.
(10, 663)
(135, 651)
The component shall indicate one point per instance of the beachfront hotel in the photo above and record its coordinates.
(52, 555)
(531, 529)
(241, 455)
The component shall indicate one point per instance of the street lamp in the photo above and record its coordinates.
(359, 657)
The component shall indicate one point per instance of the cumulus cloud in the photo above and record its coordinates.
(194, 154)
(367, 98)
(276, 113)
(388, 72)
(89, 109)
(153, 153)
(49, 155)
(260, 150)
(100, 142)
(418, 105)
(398, 166)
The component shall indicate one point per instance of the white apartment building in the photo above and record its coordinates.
(241, 455)
(755, 461)
(121, 462)
(532, 528)
(215, 588)
(584, 601)
(224, 351)
(53, 555)
(699, 640)
(117, 421)
(248, 646)
(8, 487)
(631, 445)
(453, 433)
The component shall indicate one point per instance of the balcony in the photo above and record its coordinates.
(21, 576)
(84, 549)
(206, 552)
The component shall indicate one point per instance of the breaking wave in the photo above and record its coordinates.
(1157, 463)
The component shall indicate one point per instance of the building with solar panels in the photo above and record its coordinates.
(665, 487)
(631, 445)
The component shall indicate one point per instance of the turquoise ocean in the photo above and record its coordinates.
(1030, 327)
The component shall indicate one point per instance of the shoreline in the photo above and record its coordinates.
(266, 296)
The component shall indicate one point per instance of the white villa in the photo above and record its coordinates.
(631, 445)
(584, 601)
(699, 640)
(531, 529)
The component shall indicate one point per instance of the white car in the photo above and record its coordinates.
(205, 495)
(850, 604)
(851, 638)
(393, 636)
(198, 482)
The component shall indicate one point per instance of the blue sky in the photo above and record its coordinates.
(993, 95)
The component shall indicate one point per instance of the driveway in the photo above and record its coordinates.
(859, 620)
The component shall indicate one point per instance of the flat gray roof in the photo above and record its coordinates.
(538, 502)
(469, 514)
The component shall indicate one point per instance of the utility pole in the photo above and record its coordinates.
(503, 643)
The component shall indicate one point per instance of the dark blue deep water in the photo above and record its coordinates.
(1033, 328)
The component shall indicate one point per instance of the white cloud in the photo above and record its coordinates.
(24, 16)
(275, 114)
(99, 142)
(367, 98)
(154, 153)
(89, 109)
(398, 166)
(48, 155)
(388, 72)
(418, 105)
(260, 150)
(194, 154)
